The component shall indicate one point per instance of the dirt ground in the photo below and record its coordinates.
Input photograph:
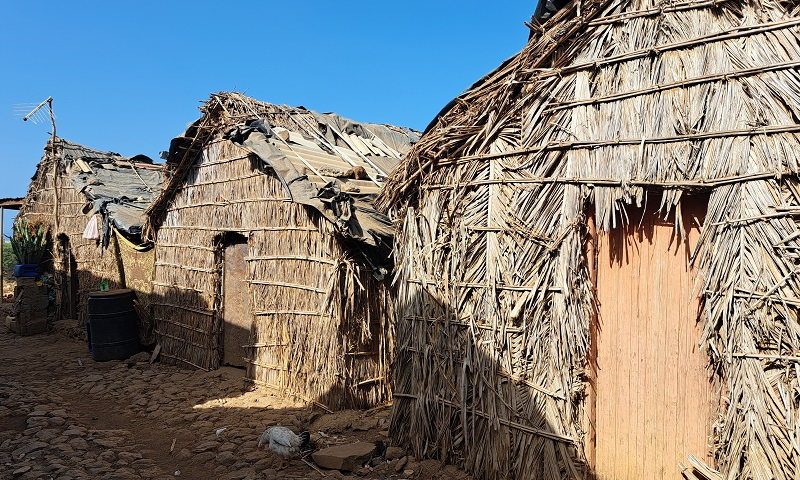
(8, 288)
(64, 416)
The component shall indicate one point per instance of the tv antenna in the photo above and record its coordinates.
(37, 116)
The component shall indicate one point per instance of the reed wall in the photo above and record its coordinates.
(78, 264)
(612, 106)
(320, 329)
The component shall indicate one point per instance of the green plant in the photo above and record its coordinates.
(29, 241)
(9, 259)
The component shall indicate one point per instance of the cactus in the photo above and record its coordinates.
(29, 241)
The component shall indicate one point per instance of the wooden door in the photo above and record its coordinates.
(652, 396)
(236, 305)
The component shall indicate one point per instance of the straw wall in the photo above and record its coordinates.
(138, 268)
(612, 103)
(85, 259)
(308, 339)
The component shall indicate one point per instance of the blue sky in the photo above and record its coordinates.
(129, 76)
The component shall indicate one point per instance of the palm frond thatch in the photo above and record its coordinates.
(320, 319)
(612, 103)
(68, 177)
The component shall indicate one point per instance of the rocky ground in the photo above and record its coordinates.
(64, 416)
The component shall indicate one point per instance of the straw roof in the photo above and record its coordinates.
(324, 161)
(72, 183)
(294, 190)
(612, 103)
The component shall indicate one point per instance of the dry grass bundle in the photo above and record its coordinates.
(321, 321)
(612, 103)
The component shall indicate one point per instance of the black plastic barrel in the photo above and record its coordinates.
(113, 326)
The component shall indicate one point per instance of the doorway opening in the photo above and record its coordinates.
(65, 276)
(236, 316)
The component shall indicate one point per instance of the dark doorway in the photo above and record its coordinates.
(235, 301)
(66, 279)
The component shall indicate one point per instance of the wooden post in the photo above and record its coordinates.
(2, 257)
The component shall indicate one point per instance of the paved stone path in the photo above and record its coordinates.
(64, 416)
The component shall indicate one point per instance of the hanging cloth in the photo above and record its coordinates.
(92, 232)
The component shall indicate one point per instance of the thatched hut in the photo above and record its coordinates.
(597, 266)
(75, 186)
(269, 254)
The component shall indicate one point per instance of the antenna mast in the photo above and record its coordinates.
(55, 154)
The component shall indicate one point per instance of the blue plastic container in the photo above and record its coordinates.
(26, 270)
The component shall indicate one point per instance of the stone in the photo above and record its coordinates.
(241, 474)
(203, 457)
(393, 453)
(37, 422)
(253, 456)
(21, 470)
(206, 446)
(56, 468)
(56, 421)
(108, 456)
(142, 463)
(78, 443)
(226, 458)
(47, 435)
(363, 424)
(26, 449)
(227, 447)
(220, 470)
(67, 449)
(97, 388)
(129, 456)
(184, 454)
(400, 465)
(347, 457)
(140, 357)
(107, 442)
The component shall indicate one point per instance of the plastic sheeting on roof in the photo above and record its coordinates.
(118, 188)
(350, 212)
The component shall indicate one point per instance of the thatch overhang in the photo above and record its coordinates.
(11, 203)
(612, 105)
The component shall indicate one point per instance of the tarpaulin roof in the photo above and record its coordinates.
(119, 188)
(330, 163)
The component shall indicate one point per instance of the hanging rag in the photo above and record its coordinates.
(92, 232)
